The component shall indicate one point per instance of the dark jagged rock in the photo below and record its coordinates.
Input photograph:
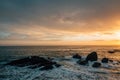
(96, 65)
(92, 57)
(33, 62)
(82, 62)
(105, 60)
(77, 56)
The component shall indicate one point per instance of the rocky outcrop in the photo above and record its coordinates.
(111, 51)
(114, 51)
(84, 62)
(96, 65)
(105, 60)
(92, 57)
(77, 56)
(34, 62)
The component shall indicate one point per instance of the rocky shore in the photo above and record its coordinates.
(74, 67)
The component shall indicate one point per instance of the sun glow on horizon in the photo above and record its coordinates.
(59, 23)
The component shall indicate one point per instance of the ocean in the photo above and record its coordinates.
(63, 55)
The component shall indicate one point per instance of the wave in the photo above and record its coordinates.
(69, 71)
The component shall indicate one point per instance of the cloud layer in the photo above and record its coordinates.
(59, 20)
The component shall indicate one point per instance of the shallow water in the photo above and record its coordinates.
(62, 54)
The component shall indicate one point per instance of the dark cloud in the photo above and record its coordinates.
(13, 11)
(67, 15)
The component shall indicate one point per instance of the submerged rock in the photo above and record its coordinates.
(96, 65)
(77, 56)
(84, 62)
(116, 50)
(34, 62)
(92, 57)
(57, 65)
(110, 60)
(112, 51)
(105, 60)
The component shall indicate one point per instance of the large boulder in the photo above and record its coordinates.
(77, 56)
(92, 57)
(34, 62)
(105, 60)
(96, 65)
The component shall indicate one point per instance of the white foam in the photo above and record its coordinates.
(69, 71)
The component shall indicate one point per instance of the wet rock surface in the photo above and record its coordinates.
(105, 60)
(111, 51)
(34, 62)
(77, 56)
(96, 65)
(84, 62)
(92, 57)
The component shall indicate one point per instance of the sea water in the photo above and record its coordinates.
(69, 70)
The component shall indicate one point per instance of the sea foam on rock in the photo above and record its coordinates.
(90, 57)
(34, 62)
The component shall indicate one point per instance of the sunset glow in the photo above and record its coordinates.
(50, 22)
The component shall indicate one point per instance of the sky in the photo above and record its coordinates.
(59, 22)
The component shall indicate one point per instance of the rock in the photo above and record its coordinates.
(116, 50)
(77, 56)
(105, 60)
(118, 61)
(112, 51)
(82, 62)
(96, 65)
(111, 60)
(33, 62)
(50, 58)
(57, 65)
(92, 57)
